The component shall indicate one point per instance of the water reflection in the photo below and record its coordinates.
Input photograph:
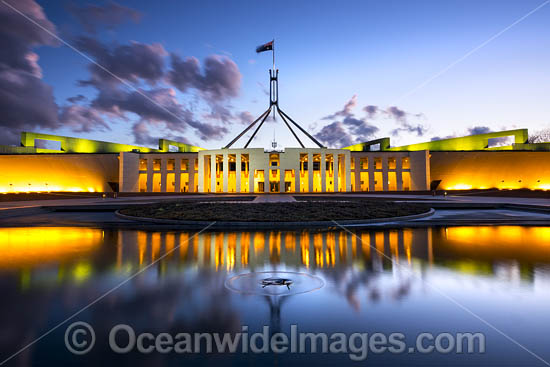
(60, 270)
(77, 253)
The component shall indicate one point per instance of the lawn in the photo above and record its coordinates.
(275, 212)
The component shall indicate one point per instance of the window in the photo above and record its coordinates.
(143, 182)
(364, 163)
(378, 163)
(156, 164)
(406, 181)
(232, 160)
(364, 181)
(171, 182)
(274, 159)
(184, 164)
(406, 162)
(171, 165)
(143, 164)
(391, 163)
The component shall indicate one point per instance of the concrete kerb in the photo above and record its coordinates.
(277, 225)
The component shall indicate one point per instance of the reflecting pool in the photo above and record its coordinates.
(493, 280)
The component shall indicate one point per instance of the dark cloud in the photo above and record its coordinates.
(131, 63)
(351, 129)
(14, 24)
(335, 135)
(135, 84)
(475, 130)
(82, 118)
(76, 99)
(158, 107)
(141, 134)
(371, 110)
(220, 81)
(346, 111)
(396, 113)
(26, 101)
(348, 129)
(406, 126)
(92, 16)
(246, 117)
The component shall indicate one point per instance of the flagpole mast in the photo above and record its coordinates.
(273, 51)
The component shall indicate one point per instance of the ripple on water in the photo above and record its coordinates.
(251, 283)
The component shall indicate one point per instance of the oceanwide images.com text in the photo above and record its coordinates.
(80, 339)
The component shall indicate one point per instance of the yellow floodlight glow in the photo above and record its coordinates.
(24, 247)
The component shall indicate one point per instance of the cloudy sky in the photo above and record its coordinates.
(350, 71)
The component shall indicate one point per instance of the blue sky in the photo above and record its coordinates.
(328, 52)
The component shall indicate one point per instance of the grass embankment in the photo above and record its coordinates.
(275, 212)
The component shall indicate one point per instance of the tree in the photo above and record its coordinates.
(540, 136)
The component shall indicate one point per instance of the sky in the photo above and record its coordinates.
(349, 71)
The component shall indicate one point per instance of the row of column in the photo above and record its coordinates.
(164, 173)
(282, 167)
(385, 185)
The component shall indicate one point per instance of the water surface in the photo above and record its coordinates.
(404, 280)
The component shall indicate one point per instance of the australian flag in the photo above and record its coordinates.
(265, 47)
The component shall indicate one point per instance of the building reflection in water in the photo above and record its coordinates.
(504, 251)
(184, 289)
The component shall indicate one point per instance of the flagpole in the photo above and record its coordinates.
(273, 51)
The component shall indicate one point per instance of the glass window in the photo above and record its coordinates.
(391, 163)
(364, 163)
(406, 163)
(143, 164)
(184, 164)
(156, 164)
(378, 163)
(171, 164)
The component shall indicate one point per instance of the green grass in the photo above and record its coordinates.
(275, 212)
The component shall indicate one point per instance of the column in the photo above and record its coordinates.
(336, 172)
(384, 173)
(297, 173)
(201, 172)
(177, 174)
(213, 172)
(399, 172)
(225, 171)
(191, 170)
(281, 174)
(372, 167)
(347, 163)
(266, 173)
(163, 174)
(323, 172)
(149, 173)
(357, 173)
(238, 172)
(310, 171)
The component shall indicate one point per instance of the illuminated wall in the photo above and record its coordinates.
(77, 145)
(58, 172)
(26, 247)
(487, 169)
(471, 142)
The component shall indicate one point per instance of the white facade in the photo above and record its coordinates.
(256, 170)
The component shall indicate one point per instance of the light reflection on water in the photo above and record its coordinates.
(375, 281)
